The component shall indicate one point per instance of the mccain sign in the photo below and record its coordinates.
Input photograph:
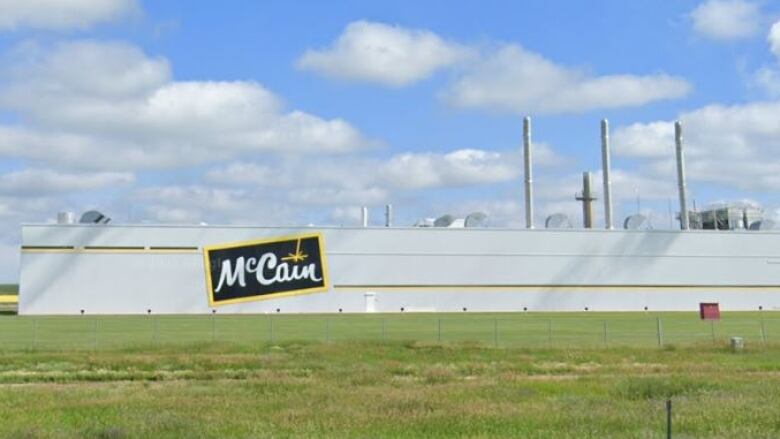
(264, 269)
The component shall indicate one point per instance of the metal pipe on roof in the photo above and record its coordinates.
(678, 138)
(587, 198)
(605, 163)
(364, 216)
(66, 217)
(389, 215)
(529, 192)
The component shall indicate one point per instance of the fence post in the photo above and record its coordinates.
(668, 419)
(439, 330)
(763, 331)
(495, 332)
(660, 332)
(712, 329)
(605, 333)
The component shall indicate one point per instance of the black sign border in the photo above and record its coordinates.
(258, 298)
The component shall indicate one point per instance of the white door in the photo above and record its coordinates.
(370, 302)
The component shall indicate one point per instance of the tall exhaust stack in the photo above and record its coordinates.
(605, 164)
(529, 191)
(389, 215)
(587, 198)
(364, 216)
(681, 185)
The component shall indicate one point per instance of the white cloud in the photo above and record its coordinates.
(116, 70)
(626, 185)
(509, 78)
(517, 80)
(371, 180)
(197, 203)
(645, 140)
(62, 14)
(299, 174)
(192, 203)
(347, 215)
(735, 145)
(726, 19)
(9, 260)
(384, 54)
(246, 174)
(346, 182)
(17, 209)
(48, 181)
(458, 168)
(125, 112)
(334, 196)
(774, 39)
(768, 77)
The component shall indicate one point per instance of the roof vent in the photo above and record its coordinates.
(557, 221)
(94, 217)
(476, 219)
(637, 222)
(764, 224)
(444, 221)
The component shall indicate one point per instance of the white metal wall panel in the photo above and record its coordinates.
(417, 269)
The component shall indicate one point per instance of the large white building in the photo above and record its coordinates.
(131, 269)
(136, 269)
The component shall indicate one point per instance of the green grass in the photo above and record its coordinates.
(366, 389)
(388, 376)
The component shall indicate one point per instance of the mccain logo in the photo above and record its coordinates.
(256, 270)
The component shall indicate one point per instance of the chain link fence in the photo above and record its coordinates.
(516, 330)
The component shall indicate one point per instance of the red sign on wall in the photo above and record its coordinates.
(709, 311)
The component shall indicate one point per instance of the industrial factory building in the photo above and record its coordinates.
(727, 255)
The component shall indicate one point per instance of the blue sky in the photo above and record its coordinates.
(284, 112)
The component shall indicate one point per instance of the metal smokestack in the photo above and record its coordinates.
(364, 216)
(389, 215)
(678, 138)
(605, 164)
(529, 191)
(587, 198)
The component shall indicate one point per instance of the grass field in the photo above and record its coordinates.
(413, 389)
(536, 330)
(388, 376)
